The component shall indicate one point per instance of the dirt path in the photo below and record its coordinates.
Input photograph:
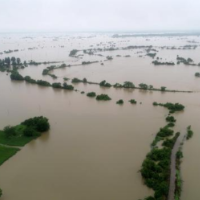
(173, 167)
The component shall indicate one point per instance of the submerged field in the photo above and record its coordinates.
(95, 149)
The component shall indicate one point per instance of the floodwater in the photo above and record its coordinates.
(94, 150)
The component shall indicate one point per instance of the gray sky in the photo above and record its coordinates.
(99, 15)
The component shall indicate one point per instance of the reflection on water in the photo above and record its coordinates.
(94, 150)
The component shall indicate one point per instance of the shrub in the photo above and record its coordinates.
(9, 131)
(105, 84)
(56, 85)
(67, 87)
(120, 101)
(133, 101)
(189, 133)
(128, 84)
(43, 83)
(30, 132)
(91, 94)
(170, 119)
(16, 76)
(40, 124)
(103, 97)
(29, 80)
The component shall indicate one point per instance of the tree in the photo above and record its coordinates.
(40, 124)
(67, 87)
(84, 80)
(163, 88)
(120, 101)
(143, 86)
(30, 132)
(16, 76)
(128, 84)
(9, 131)
(18, 61)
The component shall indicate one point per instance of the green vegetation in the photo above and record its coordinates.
(103, 97)
(25, 132)
(104, 84)
(170, 119)
(16, 76)
(188, 61)
(30, 80)
(152, 55)
(133, 101)
(73, 52)
(117, 85)
(43, 83)
(170, 106)
(128, 84)
(67, 87)
(5, 154)
(76, 80)
(19, 135)
(156, 62)
(120, 102)
(156, 167)
(91, 94)
(56, 85)
(65, 79)
(109, 57)
(163, 88)
(189, 133)
(89, 62)
(197, 74)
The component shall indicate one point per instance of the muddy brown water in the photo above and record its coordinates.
(94, 150)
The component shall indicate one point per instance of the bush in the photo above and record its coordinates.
(103, 97)
(170, 119)
(30, 132)
(56, 85)
(197, 74)
(117, 85)
(76, 80)
(9, 131)
(120, 101)
(67, 87)
(43, 83)
(105, 84)
(40, 124)
(128, 84)
(16, 76)
(91, 94)
(165, 132)
(133, 101)
(189, 133)
(29, 79)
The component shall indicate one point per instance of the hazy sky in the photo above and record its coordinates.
(99, 15)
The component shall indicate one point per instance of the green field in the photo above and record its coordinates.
(6, 153)
(18, 140)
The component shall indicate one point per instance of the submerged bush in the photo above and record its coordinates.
(16, 76)
(120, 101)
(133, 101)
(103, 97)
(67, 87)
(91, 94)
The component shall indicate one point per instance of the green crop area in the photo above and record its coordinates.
(6, 153)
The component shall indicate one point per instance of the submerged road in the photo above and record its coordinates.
(173, 167)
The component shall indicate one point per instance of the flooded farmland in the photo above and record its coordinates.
(94, 150)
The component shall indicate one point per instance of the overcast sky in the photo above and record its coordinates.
(99, 15)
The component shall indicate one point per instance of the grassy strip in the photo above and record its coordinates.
(6, 153)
